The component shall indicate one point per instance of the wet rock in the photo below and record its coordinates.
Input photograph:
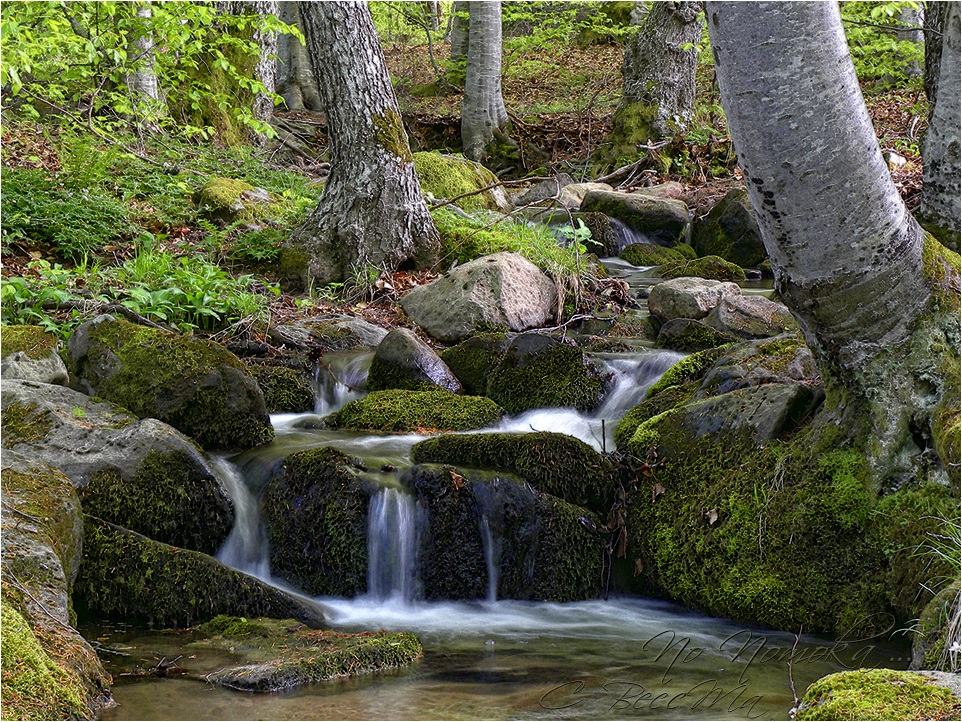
(315, 509)
(142, 474)
(782, 359)
(473, 359)
(503, 290)
(730, 231)
(286, 390)
(403, 361)
(573, 195)
(401, 410)
(687, 334)
(543, 548)
(751, 317)
(328, 333)
(713, 267)
(127, 577)
(649, 254)
(196, 386)
(661, 220)
(49, 670)
(688, 297)
(31, 354)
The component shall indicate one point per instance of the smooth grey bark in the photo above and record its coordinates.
(912, 19)
(847, 254)
(932, 22)
(483, 116)
(940, 181)
(372, 211)
(142, 82)
(265, 70)
(295, 76)
(460, 12)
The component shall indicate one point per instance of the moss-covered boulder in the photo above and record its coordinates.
(142, 474)
(937, 632)
(450, 176)
(781, 359)
(662, 401)
(661, 220)
(473, 359)
(228, 200)
(196, 386)
(687, 334)
(542, 548)
(711, 267)
(32, 354)
(49, 670)
(730, 231)
(127, 577)
(281, 655)
(649, 254)
(336, 332)
(285, 390)
(400, 410)
(403, 361)
(557, 464)
(879, 694)
(315, 508)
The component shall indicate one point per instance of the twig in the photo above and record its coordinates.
(19, 585)
(791, 678)
(520, 181)
(627, 169)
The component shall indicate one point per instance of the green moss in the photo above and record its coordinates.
(292, 266)
(33, 341)
(933, 634)
(421, 411)
(35, 687)
(473, 359)
(25, 423)
(389, 132)
(650, 254)
(690, 368)
(285, 390)
(730, 231)
(225, 625)
(632, 125)
(712, 267)
(690, 335)
(877, 694)
(554, 463)
(449, 176)
(686, 251)
(664, 400)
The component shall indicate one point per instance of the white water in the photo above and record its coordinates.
(339, 379)
(246, 546)
(392, 547)
(492, 555)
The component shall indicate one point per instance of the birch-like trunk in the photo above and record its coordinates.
(847, 254)
(933, 20)
(940, 182)
(483, 116)
(295, 76)
(142, 82)
(659, 78)
(372, 211)
(265, 70)
(460, 12)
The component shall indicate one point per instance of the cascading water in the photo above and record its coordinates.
(338, 379)
(246, 546)
(392, 546)
(492, 554)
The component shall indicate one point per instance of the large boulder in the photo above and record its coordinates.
(875, 694)
(687, 297)
(401, 410)
(403, 361)
(557, 464)
(661, 220)
(503, 290)
(127, 577)
(473, 359)
(730, 231)
(315, 509)
(328, 333)
(49, 669)
(649, 254)
(450, 176)
(540, 547)
(196, 386)
(751, 317)
(142, 474)
(31, 354)
(782, 359)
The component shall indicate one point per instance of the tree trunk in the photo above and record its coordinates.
(295, 76)
(460, 12)
(483, 117)
(372, 211)
(266, 68)
(932, 23)
(847, 254)
(142, 82)
(940, 182)
(911, 18)
(659, 78)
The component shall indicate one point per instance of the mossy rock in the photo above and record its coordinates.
(690, 368)
(399, 410)
(649, 254)
(933, 636)
(665, 400)
(196, 386)
(685, 250)
(285, 390)
(25, 422)
(688, 334)
(711, 267)
(31, 353)
(315, 509)
(661, 220)
(127, 577)
(780, 359)
(229, 200)
(554, 463)
(449, 176)
(730, 231)
(32, 341)
(403, 361)
(282, 655)
(878, 694)
(473, 359)
(544, 548)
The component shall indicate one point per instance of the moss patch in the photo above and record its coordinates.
(449, 176)
(416, 411)
(877, 694)
(25, 423)
(688, 369)
(652, 406)
(473, 359)
(713, 267)
(389, 132)
(285, 390)
(731, 232)
(30, 340)
(650, 254)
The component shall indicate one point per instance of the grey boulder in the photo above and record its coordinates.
(688, 297)
(403, 361)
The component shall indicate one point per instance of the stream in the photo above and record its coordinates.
(487, 659)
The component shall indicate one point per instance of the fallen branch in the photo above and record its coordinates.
(631, 167)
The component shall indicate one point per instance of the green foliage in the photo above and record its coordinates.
(880, 58)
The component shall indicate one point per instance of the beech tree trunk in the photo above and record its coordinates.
(659, 78)
(847, 254)
(295, 76)
(940, 182)
(372, 211)
(483, 116)
(933, 20)
(265, 69)
(142, 82)
(460, 11)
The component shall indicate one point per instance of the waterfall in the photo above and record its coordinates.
(339, 380)
(246, 546)
(392, 546)
(625, 236)
(492, 557)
